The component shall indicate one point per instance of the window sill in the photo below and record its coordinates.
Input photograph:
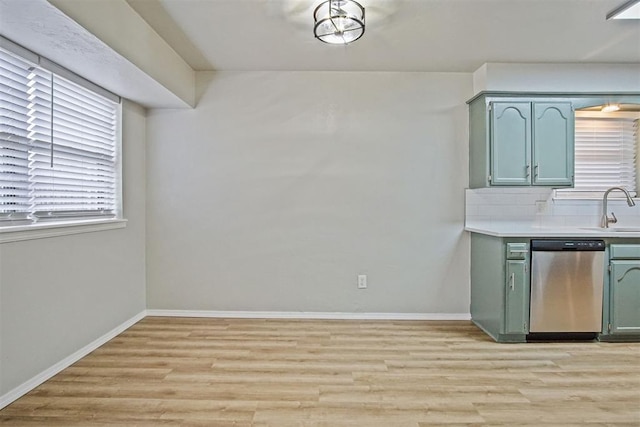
(16, 233)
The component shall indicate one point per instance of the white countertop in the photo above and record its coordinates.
(515, 229)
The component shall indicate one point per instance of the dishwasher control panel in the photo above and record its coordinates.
(567, 245)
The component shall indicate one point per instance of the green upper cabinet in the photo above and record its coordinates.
(511, 143)
(553, 143)
(521, 142)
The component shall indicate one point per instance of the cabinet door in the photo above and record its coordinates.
(625, 296)
(516, 304)
(553, 142)
(510, 143)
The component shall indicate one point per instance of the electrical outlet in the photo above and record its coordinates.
(362, 281)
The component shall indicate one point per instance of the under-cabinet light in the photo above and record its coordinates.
(610, 108)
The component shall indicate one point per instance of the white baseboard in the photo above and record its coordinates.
(308, 315)
(29, 385)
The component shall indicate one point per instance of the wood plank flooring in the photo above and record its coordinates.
(238, 372)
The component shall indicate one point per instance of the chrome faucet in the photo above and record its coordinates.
(605, 218)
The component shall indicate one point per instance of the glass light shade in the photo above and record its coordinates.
(338, 21)
(610, 108)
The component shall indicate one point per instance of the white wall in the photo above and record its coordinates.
(562, 78)
(281, 187)
(59, 294)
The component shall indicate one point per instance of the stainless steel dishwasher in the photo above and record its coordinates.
(567, 278)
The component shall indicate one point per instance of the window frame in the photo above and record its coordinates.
(21, 230)
(41, 230)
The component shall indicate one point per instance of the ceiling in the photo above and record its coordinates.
(401, 35)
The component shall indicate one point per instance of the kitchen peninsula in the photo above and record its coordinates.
(501, 260)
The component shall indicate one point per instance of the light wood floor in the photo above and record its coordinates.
(225, 372)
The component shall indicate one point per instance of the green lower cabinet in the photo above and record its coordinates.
(624, 315)
(500, 286)
(517, 298)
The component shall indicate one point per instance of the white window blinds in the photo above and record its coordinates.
(605, 155)
(57, 146)
(14, 137)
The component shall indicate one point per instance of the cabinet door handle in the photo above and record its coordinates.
(536, 170)
(527, 170)
(627, 272)
(512, 281)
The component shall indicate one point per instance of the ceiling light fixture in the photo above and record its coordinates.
(610, 108)
(338, 21)
(627, 10)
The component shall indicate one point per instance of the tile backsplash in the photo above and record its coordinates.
(538, 207)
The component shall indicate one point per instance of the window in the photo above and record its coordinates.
(58, 144)
(605, 154)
